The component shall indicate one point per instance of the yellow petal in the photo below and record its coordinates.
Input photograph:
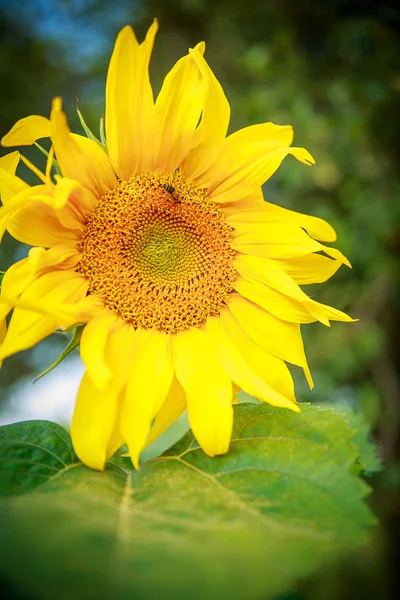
(26, 131)
(3, 330)
(236, 390)
(73, 313)
(325, 313)
(129, 103)
(311, 268)
(263, 272)
(177, 113)
(39, 261)
(30, 217)
(265, 212)
(79, 199)
(254, 370)
(210, 134)
(65, 314)
(93, 348)
(279, 240)
(150, 377)
(173, 406)
(273, 370)
(24, 198)
(275, 240)
(208, 390)
(120, 99)
(278, 304)
(116, 440)
(287, 308)
(259, 162)
(26, 327)
(336, 255)
(268, 272)
(9, 162)
(95, 422)
(279, 338)
(255, 196)
(10, 185)
(249, 157)
(37, 224)
(49, 166)
(80, 158)
(53, 218)
(72, 204)
(288, 250)
(145, 117)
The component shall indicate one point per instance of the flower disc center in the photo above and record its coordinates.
(159, 253)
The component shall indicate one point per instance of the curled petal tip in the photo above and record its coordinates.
(57, 103)
(200, 47)
(127, 29)
(308, 159)
(135, 460)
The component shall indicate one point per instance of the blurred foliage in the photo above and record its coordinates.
(329, 68)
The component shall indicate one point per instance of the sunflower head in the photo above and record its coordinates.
(158, 251)
(156, 240)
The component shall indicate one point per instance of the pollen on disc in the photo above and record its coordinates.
(159, 253)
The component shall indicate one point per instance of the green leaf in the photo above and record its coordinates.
(31, 453)
(76, 335)
(102, 132)
(367, 451)
(283, 502)
(55, 162)
(87, 131)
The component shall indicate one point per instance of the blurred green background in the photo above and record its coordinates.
(329, 68)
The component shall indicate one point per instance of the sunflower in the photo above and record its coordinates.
(158, 244)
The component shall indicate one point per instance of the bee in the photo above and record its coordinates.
(171, 191)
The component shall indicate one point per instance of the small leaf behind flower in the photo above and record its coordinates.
(76, 333)
(88, 131)
(55, 162)
(285, 501)
(102, 132)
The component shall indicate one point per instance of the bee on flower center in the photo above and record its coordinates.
(171, 191)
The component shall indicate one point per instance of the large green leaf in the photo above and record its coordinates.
(285, 501)
(368, 457)
(32, 453)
